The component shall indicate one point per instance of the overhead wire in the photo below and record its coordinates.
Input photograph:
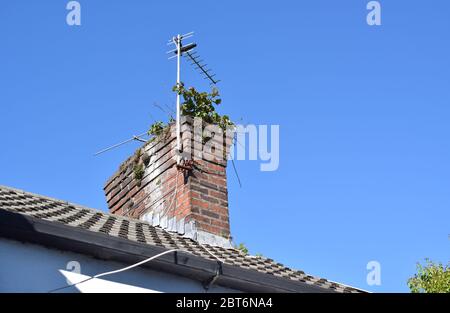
(116, 271)
(221, 261)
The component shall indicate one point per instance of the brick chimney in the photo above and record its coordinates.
(190, 198)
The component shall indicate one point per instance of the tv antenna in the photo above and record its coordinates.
(186, 50)
(180, 50)
(135, 137)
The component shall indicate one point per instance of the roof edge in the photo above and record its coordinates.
(57, 235)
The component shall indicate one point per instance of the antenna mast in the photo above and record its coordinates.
(179, 50)
(186, 50)
(177, 42)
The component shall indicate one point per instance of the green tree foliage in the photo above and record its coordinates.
(431, 278)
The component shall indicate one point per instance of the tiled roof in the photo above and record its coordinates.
(58, 211)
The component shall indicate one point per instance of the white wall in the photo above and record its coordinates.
(27, 267)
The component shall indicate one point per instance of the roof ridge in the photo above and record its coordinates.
(80, 206)
(17, 190)
(93, 210)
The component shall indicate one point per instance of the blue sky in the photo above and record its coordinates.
(363, 112)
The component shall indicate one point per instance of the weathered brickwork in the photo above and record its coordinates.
(199, 194)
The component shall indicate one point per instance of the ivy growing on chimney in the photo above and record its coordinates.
(203, 105)
(196, 104)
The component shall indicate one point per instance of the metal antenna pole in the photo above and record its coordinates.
(178, 45)
(179, 50)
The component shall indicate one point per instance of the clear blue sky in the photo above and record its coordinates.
(363, 112)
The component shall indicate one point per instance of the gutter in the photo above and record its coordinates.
(68, 238)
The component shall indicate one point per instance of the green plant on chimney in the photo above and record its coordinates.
(139, 171)
(156, 128)
(196, 104)
(138, 166)
(203, 105)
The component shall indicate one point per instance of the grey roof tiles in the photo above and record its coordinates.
(57, 211)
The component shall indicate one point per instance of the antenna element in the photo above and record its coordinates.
(180, 50)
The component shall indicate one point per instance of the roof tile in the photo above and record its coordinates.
(57, 211)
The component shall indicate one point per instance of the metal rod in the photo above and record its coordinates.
(236, 172)
(201, 67)
(139, 139)
(178, 44)
(121, 143)
(187, 35)
(187, 47)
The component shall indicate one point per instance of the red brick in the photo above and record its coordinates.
(203, 196)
